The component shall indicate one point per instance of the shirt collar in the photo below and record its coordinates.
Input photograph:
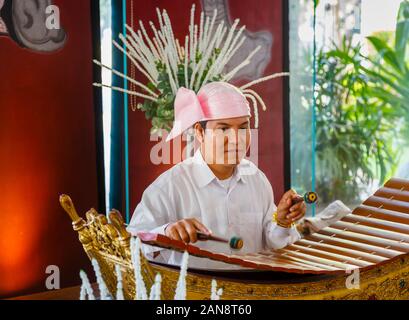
(203, 175)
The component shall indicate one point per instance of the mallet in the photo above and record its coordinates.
(234, 242)
(309, 198)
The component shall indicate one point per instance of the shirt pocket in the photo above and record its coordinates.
(240, 215)
(251, 218)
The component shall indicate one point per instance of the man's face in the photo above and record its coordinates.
(225, 141)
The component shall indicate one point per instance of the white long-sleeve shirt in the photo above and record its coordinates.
(243, 207)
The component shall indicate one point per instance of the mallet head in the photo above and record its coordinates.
(236, 243)
(310, 197)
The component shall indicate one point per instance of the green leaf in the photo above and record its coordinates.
(402, 32)
(385, 52)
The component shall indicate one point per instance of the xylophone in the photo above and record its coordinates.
(373, 240)
(373, 233)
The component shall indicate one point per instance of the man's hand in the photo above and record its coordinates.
(288, 213)
(186, 230)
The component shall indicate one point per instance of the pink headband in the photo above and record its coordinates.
(214, 101)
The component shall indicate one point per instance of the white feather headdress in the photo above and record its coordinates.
(167, 65)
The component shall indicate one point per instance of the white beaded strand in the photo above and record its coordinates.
(181, 285)
(136, 260)
(103, 290)
(86, 288)
(119, 284)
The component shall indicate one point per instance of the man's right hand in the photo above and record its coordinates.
(186, 230)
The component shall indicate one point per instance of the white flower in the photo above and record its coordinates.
(201, 41)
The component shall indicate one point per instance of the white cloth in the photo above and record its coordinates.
(191, 190)
(334, 212)
(226, 183)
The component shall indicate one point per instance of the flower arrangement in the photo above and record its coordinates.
(168, 65)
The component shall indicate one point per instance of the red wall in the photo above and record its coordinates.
(257, 15)
(47, 147)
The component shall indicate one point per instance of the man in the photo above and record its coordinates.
(216, 191)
